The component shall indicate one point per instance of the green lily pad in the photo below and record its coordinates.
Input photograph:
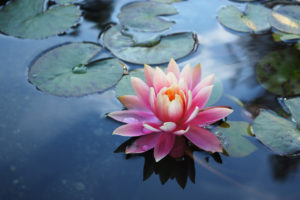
(28, 19)
(254, 20)
(166, 1)
(298, 45)
(124, 86)
(285, 37)
(286, 18)
(142, 38)
(66, 70)
(294, 106)
(234, 139)
(144, 16)
(279, 72)
(174, 46)
(64, 1)
(279, 134)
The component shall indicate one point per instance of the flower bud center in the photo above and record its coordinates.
(172, 91)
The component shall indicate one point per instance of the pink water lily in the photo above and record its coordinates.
(168, 109)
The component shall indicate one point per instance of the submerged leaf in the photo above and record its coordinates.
(255, 19)
(28, 19)
(144, 16)
(234, 139)
(170, 46)
(286, 18)
(66, 71)
(279, 72)
(279, 36)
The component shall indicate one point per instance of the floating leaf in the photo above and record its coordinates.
(255, 18)
(144, 16)
(279, 134)
(124, 86)
(27, 19)
(166, 1)
(279, 36)
(294, 107)
(234, 139)
(66, 71)
(279, 72)
(64, 1)
(286, 18)
(171, 46)
(142, 38)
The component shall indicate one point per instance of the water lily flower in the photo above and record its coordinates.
(168, 109)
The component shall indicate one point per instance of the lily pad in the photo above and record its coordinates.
(124, 86)
(286, 18)
(28, 19)
(144, 16)
(66, 70)
(279, 134)
(174, 46)
(279, 72)
(166, 1)
(254, 20)
(285, 37)
(294, 106)
(142, 38)
(234, 139)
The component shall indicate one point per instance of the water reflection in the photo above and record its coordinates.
(283, 168)
(98, 11)
(170, 168)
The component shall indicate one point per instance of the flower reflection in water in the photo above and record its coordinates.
(169, 168)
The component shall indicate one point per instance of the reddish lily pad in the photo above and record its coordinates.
(144, 16)
(66, 70)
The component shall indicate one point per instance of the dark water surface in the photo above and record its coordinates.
(62, 148)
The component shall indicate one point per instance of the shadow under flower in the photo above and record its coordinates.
(180, 169)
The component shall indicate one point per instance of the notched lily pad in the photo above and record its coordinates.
(279, 72)
(279, 134)
(234, 139)
(294, 106)
(253, 20)
(28, 19)
(286, 18)
(144, 16)
(124, 86)
(66, 70)
(174, 46)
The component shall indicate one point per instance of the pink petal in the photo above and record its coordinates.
(178, 148)
(204, 139)
(211, 115)
(173, 67)
(175, 110)
(162, 105)
(149, 74)
(193, 115)
(187, 75)
(207, 81)
(152, 99)
(159, 80)
(182, 131)
(163, 146)
(196, 75)
(141, 89)
(168, 126)
(142, 144)
(133, 116)
(131, 130)
(131, 102)
(202, 97)
(171, 79)
(153, 127)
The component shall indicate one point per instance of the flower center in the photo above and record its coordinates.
(172, 91)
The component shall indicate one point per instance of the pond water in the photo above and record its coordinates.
(63, 148)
